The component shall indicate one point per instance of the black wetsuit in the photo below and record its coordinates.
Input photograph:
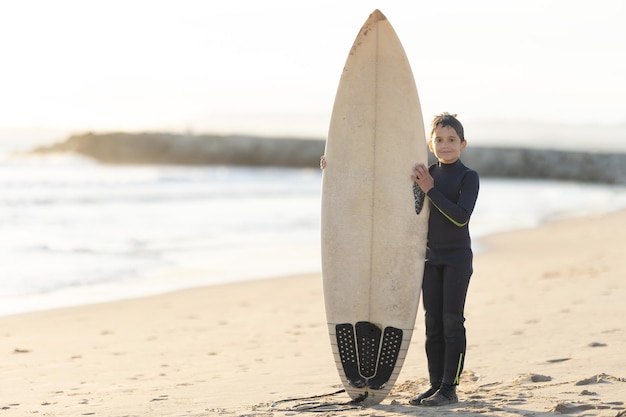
(448, 269)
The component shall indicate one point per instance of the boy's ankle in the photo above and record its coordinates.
(447, 389)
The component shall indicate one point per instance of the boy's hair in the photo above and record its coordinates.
(446, 119)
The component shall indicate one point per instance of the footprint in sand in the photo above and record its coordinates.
(599, 378)
(569, 408)
(558, 360)
(525, 378)
(540, 378)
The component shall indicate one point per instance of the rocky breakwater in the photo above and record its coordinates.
(608, 168)
(175, 149)
(167, 148)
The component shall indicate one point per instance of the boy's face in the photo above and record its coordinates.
(446, 145)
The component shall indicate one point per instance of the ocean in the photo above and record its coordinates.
(73, 231)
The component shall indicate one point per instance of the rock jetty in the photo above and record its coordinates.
(180, 149)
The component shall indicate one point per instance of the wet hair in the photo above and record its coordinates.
(446, 119)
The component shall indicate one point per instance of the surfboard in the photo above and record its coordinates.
(373, 242)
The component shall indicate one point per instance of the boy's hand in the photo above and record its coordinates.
(421, 176)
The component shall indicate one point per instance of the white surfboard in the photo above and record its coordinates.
(373, 241)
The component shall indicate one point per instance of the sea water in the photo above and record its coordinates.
(73, 231)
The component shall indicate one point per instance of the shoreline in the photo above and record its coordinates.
(545, 335)
(159, 281)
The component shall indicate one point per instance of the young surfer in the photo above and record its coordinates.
(452, 190)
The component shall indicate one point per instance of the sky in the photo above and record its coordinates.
(272, 67)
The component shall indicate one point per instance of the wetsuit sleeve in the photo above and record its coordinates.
(458, 213)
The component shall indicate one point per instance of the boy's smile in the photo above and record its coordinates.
(446, 144)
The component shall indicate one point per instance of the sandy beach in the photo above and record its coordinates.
(546, 335)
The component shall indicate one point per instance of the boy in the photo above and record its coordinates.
(452, 189)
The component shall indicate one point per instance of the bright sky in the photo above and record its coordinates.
(272, 66)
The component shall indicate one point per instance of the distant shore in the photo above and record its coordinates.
(180, 149)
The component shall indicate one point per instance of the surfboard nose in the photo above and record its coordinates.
(377, 15)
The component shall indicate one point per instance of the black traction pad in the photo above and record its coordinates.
(392, 341)
(365, 360)
(347, 352)
(368, 344)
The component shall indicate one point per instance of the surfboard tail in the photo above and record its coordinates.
(368, 353)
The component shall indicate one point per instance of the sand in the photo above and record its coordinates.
(546, 336)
